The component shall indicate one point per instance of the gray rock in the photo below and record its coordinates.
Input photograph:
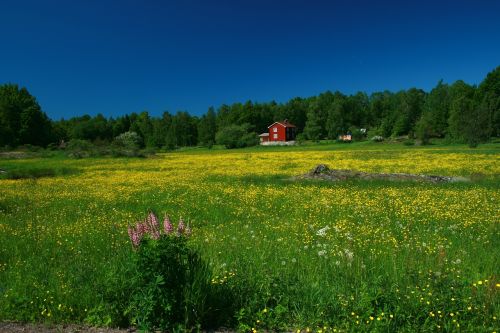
(322, 171)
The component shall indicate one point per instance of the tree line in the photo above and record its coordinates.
(459, 112)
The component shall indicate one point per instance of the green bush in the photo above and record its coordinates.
(236, 136)
(300, 138)
(171, 281)
(357, 134)
(79, 148)
(248, 140)
(129, 140)
(375, 131)
(127, 144)
(409, 142)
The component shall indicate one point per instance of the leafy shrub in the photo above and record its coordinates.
(236, 136)
(127, 144)
(248, 140)
(409, 142)
(30, 148)
(375, 131)
(79, 148)
(377, 138)
(129, 140)
(171, 280)
(357, 134)
(300, 138)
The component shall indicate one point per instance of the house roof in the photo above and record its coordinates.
(264, 134)
(283, 123)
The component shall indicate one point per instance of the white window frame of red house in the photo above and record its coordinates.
(275, 135)
(275, 130)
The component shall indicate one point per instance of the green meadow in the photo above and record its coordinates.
(282, 254)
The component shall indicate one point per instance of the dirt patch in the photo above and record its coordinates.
(14, 327)
(69, 328)
(323, 172)
(15, 154)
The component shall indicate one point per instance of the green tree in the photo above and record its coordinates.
(461, 106)
(434, 119)
(21, 118)
(236, 136)
(158, 133)
(423, 128)
(120, 125)
(411, 109)
(488, 99)
(183, 130)
(436, 107)
(336, 124)
(477, 124)
(36, 128)
(90, 128)
(358, 110)
(143, 126)
(207, 128)
(313, 130)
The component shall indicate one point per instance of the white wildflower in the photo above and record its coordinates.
(322, 232)
(348, 254)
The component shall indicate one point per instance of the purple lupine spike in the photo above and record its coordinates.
(135, 236)
(168, 228)
(140, 228)
(181, 227)
(136, 239)
(146, 226)
(152, 219)
(153, 223)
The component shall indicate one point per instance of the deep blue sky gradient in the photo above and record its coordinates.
(115, 57)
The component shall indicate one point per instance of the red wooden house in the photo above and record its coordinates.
(280, 131)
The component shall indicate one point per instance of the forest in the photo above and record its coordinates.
(458, 112)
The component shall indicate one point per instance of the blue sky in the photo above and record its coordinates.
(115, 57)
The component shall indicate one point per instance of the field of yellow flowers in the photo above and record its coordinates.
(297, 255)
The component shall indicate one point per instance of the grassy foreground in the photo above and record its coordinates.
(354, 256)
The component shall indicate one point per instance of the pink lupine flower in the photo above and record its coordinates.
(168, 228)
(141, 228)
(135, 236)
(181, 227)
(152, 221)
(136, 239)
(146, 226)
(150, 227)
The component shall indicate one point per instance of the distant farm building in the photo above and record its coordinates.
(279, 133)
(345, 137)
(264, 137)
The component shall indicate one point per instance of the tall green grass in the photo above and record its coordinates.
(293, 255)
